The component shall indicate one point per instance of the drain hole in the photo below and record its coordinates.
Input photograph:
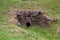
(28, 24)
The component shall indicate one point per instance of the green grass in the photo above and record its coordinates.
(13, 32)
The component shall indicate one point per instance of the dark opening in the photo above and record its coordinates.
(29, 15)
(28, 24)
(39, 13)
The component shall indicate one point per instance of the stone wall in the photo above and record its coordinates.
(34, 17)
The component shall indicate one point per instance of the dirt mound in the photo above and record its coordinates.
(34, 17)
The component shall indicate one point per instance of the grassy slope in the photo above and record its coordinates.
(12, 32)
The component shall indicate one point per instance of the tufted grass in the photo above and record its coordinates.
(10, 31)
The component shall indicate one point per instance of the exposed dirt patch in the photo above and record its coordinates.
(33, 17)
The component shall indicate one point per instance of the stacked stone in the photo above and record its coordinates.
(35, 18)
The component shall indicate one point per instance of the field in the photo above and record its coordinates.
(10, 31)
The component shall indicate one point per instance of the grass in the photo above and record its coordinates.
(10, 31)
